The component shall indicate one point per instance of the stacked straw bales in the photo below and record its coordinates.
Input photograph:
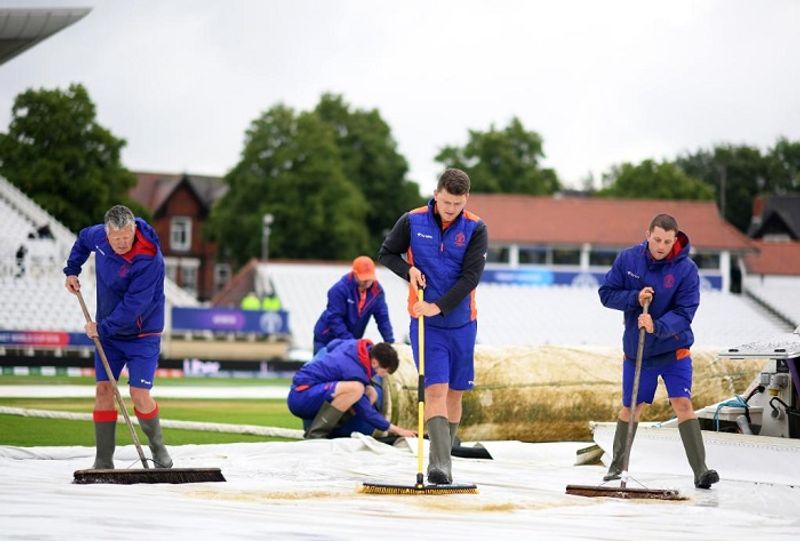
(550, 393)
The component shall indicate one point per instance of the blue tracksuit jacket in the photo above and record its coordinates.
(346, 360)
(130, 288)
(342, 318)
(676, 283)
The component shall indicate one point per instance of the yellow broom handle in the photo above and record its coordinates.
(420, 395)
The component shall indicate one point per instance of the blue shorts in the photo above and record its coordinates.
(677, 376)
(140, 354)
(449, 354)
(353, 423)
(306, 403)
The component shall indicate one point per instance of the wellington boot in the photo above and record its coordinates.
(152, 428)
(454, 441)
(696, 453)
(620, 437)
(325, 421)
(441, 443)
(105, 442)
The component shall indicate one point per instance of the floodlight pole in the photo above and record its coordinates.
(266, 222)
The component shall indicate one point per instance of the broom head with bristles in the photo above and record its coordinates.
(377, 488)
(625, 493)
(152, 475)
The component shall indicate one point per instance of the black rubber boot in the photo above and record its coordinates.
(696, 453)
(620, 436)
(152, 428)
(439, 465)
(454, 441)
(105, 434)
(325, 421)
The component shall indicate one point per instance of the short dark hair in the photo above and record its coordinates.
(455, 181)
(386, 356)
(665, 222)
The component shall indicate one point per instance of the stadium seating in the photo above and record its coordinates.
(35, 299)
(519, 314)
(508, 314)
(782, 293)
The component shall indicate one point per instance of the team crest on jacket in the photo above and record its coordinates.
(669, 281)
(461, 240)
(123, 271)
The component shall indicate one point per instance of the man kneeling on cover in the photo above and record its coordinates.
(335, 390)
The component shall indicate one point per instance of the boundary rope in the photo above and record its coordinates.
(269, 431)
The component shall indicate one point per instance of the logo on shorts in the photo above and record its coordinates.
(669, 281)
(461, 240)
(145, 382)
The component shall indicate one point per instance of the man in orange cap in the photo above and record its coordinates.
(352, 300)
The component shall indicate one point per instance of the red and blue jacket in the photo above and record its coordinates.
(676, 283)
(130, 287)
(345, 360)
(345, 317)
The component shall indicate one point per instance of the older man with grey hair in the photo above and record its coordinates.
(128, 322)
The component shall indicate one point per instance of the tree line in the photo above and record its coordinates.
(333, 178)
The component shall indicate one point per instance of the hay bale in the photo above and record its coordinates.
(550, 393)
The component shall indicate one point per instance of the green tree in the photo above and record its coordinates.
(290, 168)
(58, 154)
(503, 161)
(737, 174)
(653, 180)
(371, 162)
(784, 165)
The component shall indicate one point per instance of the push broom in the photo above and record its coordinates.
(148, 474)
(623, 491)
(419, 487)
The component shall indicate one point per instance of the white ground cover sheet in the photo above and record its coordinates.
(307, 490)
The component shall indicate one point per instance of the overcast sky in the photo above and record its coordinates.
(601, 81)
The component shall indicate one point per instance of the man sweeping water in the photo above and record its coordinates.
(659, 272)
(445, 248)
(128, 323)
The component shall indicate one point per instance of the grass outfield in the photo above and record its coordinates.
(31, 431)
(160, 382)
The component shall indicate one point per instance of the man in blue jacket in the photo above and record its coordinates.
(340, 379)
(352, 300)
(445, 252)
(658, 271)
(129, 320)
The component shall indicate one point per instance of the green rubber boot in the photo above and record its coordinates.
(105, 441)
(439, 464)
(696, 453)
(325, 421)
(454, 441)
(152, 428)
(620, 435)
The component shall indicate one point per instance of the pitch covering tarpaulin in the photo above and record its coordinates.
(308, 490)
